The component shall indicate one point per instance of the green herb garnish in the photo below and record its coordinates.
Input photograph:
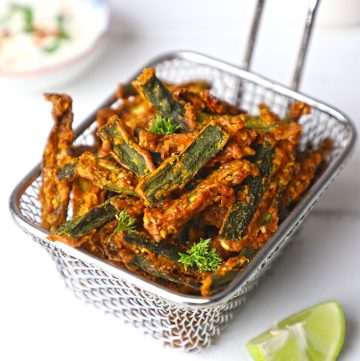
(60, 37)
(202, 256)
(28, 16)
(60, 21)
(125, 222)
(163, 126)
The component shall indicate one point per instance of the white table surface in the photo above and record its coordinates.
(41, 320)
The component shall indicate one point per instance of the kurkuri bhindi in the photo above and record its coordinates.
(179, 186)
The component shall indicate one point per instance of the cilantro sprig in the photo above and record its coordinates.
(125, 222)
(60, 37)
(163, 126)
(202, 256)
(27, 14)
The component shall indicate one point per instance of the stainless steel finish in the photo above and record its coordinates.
(253, 34)
(309, 25)
(299, 67)
(183, 321)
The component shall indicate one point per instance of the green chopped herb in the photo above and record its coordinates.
(28, 16)
(125, 222)
(60, 37)
(60, 21)
(53, 46)
(163, 126)
(202, 256)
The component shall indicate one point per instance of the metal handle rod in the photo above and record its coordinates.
(312, 11)
(253, 34)
(309, 25)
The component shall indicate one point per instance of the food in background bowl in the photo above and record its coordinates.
(46, 41)
(179, 186)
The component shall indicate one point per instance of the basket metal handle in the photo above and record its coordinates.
(311, 15)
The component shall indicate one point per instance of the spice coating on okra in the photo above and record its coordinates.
(180, 187)
(178, 170)
(54, 194)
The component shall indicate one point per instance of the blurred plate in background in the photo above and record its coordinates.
(47, 42)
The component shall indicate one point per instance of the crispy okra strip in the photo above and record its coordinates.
(139, 242)
(103, 172)
(178, 170)
(95, 245)
(215, 105)
(226, 273)
(117, 141)
(106, 174)
(238, 147)
(307, 165)
(242, 211)
(266, 121)
(265, 220)
(54, 194)
(145, 264)
(296, 110)
(163, 221)
(157, 259)
(151, 269)
(79, 227)
(166, 145)
(85, 196)
(153, 90)
(192, 86)
(67, 172)
(163, 249)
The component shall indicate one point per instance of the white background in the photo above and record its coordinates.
(41, 320)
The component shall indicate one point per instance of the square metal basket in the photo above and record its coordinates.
(183, 321)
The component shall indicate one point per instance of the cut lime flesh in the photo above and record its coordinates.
(315, 334)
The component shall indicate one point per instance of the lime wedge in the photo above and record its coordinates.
(315, 334)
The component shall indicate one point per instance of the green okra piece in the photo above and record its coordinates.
(166, 250)
(242, 211)
(104, 173)
(175, 172)
(251, 123)
(162, 272)
(216, 281)
(141, 242)
(257, 123)
(152, 89)
(124, 150)
(166, 269)
(79, 227)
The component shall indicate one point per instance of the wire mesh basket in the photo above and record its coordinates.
(183, 321)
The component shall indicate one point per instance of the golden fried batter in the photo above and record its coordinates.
(54, 194)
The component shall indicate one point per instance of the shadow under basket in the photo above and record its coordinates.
(183, 321)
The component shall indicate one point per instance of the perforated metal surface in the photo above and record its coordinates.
(177, 320)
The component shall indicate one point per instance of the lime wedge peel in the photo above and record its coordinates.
(315, 334)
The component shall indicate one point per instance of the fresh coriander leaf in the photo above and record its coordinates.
(53, 46)
(61, 21)
(28, 16)
(202, 256)
(62, 35)
(163, 126)
(125, 222)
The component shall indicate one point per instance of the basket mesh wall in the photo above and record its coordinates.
(186, 328)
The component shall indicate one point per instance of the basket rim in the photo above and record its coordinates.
(286, 228)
